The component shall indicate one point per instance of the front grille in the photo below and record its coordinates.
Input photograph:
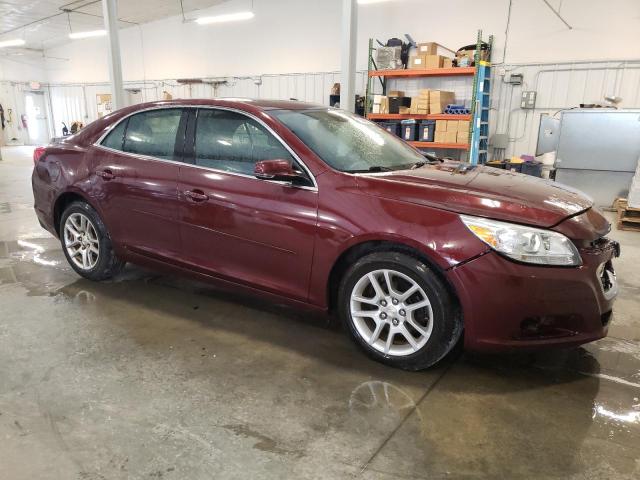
(606, 276)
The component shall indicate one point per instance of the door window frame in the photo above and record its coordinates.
(178, 145)
(187, 131)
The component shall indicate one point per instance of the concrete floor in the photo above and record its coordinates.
(150, 376)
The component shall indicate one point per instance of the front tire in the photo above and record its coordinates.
(86, 243)
(398, 310)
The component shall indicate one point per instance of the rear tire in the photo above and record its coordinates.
(86, 243)
(413, 324)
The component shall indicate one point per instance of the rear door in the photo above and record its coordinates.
(136, 176)
(233, 225)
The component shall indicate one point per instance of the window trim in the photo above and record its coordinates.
(98, 144)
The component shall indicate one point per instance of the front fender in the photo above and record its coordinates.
(437, 234)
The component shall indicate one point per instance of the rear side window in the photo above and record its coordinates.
(116, 136)
(234, 142)
(153, 133)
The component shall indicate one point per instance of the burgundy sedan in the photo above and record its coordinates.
(325, 210)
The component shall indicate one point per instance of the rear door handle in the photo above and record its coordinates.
(105, 174)
(196, 195)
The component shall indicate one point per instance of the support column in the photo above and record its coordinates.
(348, 63)
(110, 14)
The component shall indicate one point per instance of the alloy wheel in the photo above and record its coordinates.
(391, 312)
(81, 241)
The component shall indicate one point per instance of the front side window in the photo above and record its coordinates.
(234, 142)
(347, 142)
(153, 133)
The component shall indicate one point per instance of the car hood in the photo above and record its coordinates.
(482, 191)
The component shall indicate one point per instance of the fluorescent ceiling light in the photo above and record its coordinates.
(88, 34)
(229, 17)
(12, 43)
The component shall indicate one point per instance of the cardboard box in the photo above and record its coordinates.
(451, 136)
(384, 104)
(441, 125)
(439, 137)
(463, 125)
(462, 137)
(396, 102)
(427, 48)
(432, 48)
(452, 125)
(377, 98)
(403, 110)
(447, 63)
(438, 100)
(395, 93)
(417, 62)
(375, 108)
(433, 61)
(441, 96)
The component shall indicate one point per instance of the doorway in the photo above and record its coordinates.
(36, 122)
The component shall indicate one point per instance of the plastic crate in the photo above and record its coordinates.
(427, 131)
(514, 167)
(409, 130)
(391, 127)
(532, 168)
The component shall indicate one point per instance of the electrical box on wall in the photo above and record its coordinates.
(515, 79)
(528, 99)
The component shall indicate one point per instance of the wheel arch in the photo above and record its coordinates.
(63, 201)
(353, 253)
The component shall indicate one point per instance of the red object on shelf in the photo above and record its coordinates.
(457, 146)
(434, 72)
(430, 116)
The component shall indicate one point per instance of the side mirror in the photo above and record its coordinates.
(275, 170)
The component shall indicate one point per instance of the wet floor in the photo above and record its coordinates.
(150, 376)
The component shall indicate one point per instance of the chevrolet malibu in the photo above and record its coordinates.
(325, 210)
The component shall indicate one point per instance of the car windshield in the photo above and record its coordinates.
(347, 142)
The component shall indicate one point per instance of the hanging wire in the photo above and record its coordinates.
(69, 22)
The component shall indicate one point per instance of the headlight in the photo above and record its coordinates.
(525, 244)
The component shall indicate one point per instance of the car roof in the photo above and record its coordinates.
(91, 132)
(242, 103)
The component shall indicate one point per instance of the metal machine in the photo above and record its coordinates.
(598, 151)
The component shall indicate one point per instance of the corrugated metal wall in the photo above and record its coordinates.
(78, 102)
(559, 86)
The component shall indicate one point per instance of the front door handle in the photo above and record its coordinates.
(196, 195)
(105, 174)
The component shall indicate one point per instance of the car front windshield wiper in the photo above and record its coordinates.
(429, 160)
(372, 169)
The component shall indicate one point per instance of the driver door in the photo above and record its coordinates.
(256, 232)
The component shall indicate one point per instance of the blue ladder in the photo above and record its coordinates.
(479, 143)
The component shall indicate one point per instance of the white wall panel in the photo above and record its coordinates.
(559, 86)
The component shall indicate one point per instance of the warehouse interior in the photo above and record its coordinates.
(154, 375)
